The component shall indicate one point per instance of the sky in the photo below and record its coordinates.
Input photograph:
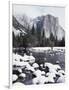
(33, 11)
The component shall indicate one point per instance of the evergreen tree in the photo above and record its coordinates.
(56, 41)
(33, 30)
(52, 37)
(43, 38)
(52, 41)
(13, 39)
(63, 41)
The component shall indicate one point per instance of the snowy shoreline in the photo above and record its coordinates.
(42, 49)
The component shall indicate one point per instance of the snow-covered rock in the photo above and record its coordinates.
(57, 67)
(37, 73)
(36, 80)
(57, 62)
(17, 57)
(51, 75)
(42, 73)
(22, 76)
(51, 54)
(14, 77)
(31, 59)
(51, 80)
(41, 65)
(61, 79)
(18, 84)
(18, 70)
(21, 64)
(28, 67)
(49, 65)
(43, 79)
(52, 68)
(26, 57)
(61, 73)
(35, 65)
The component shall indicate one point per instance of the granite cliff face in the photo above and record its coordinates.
(49, 24)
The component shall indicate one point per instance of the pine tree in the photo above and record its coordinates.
(52, 41)
(33, 30)
(62, 42)
(52, 37)
(43, 38)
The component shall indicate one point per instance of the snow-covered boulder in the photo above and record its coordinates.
(49, 65)
(41, 65)
(61, 72)
(17, 70)
(57, 62)
(42, 73)
(17, 57)
(23, 64)
(35, 65)
(61, 79)
(36, 80)
(18, 84)
(29, 67)
(14, 77)
(25, 57)
(52, 70)
(31, 59)
(22, 76)
(20, 70)
(57, 67)
(37, 73)
(51, 80)
(51, 75)
(43, 79)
